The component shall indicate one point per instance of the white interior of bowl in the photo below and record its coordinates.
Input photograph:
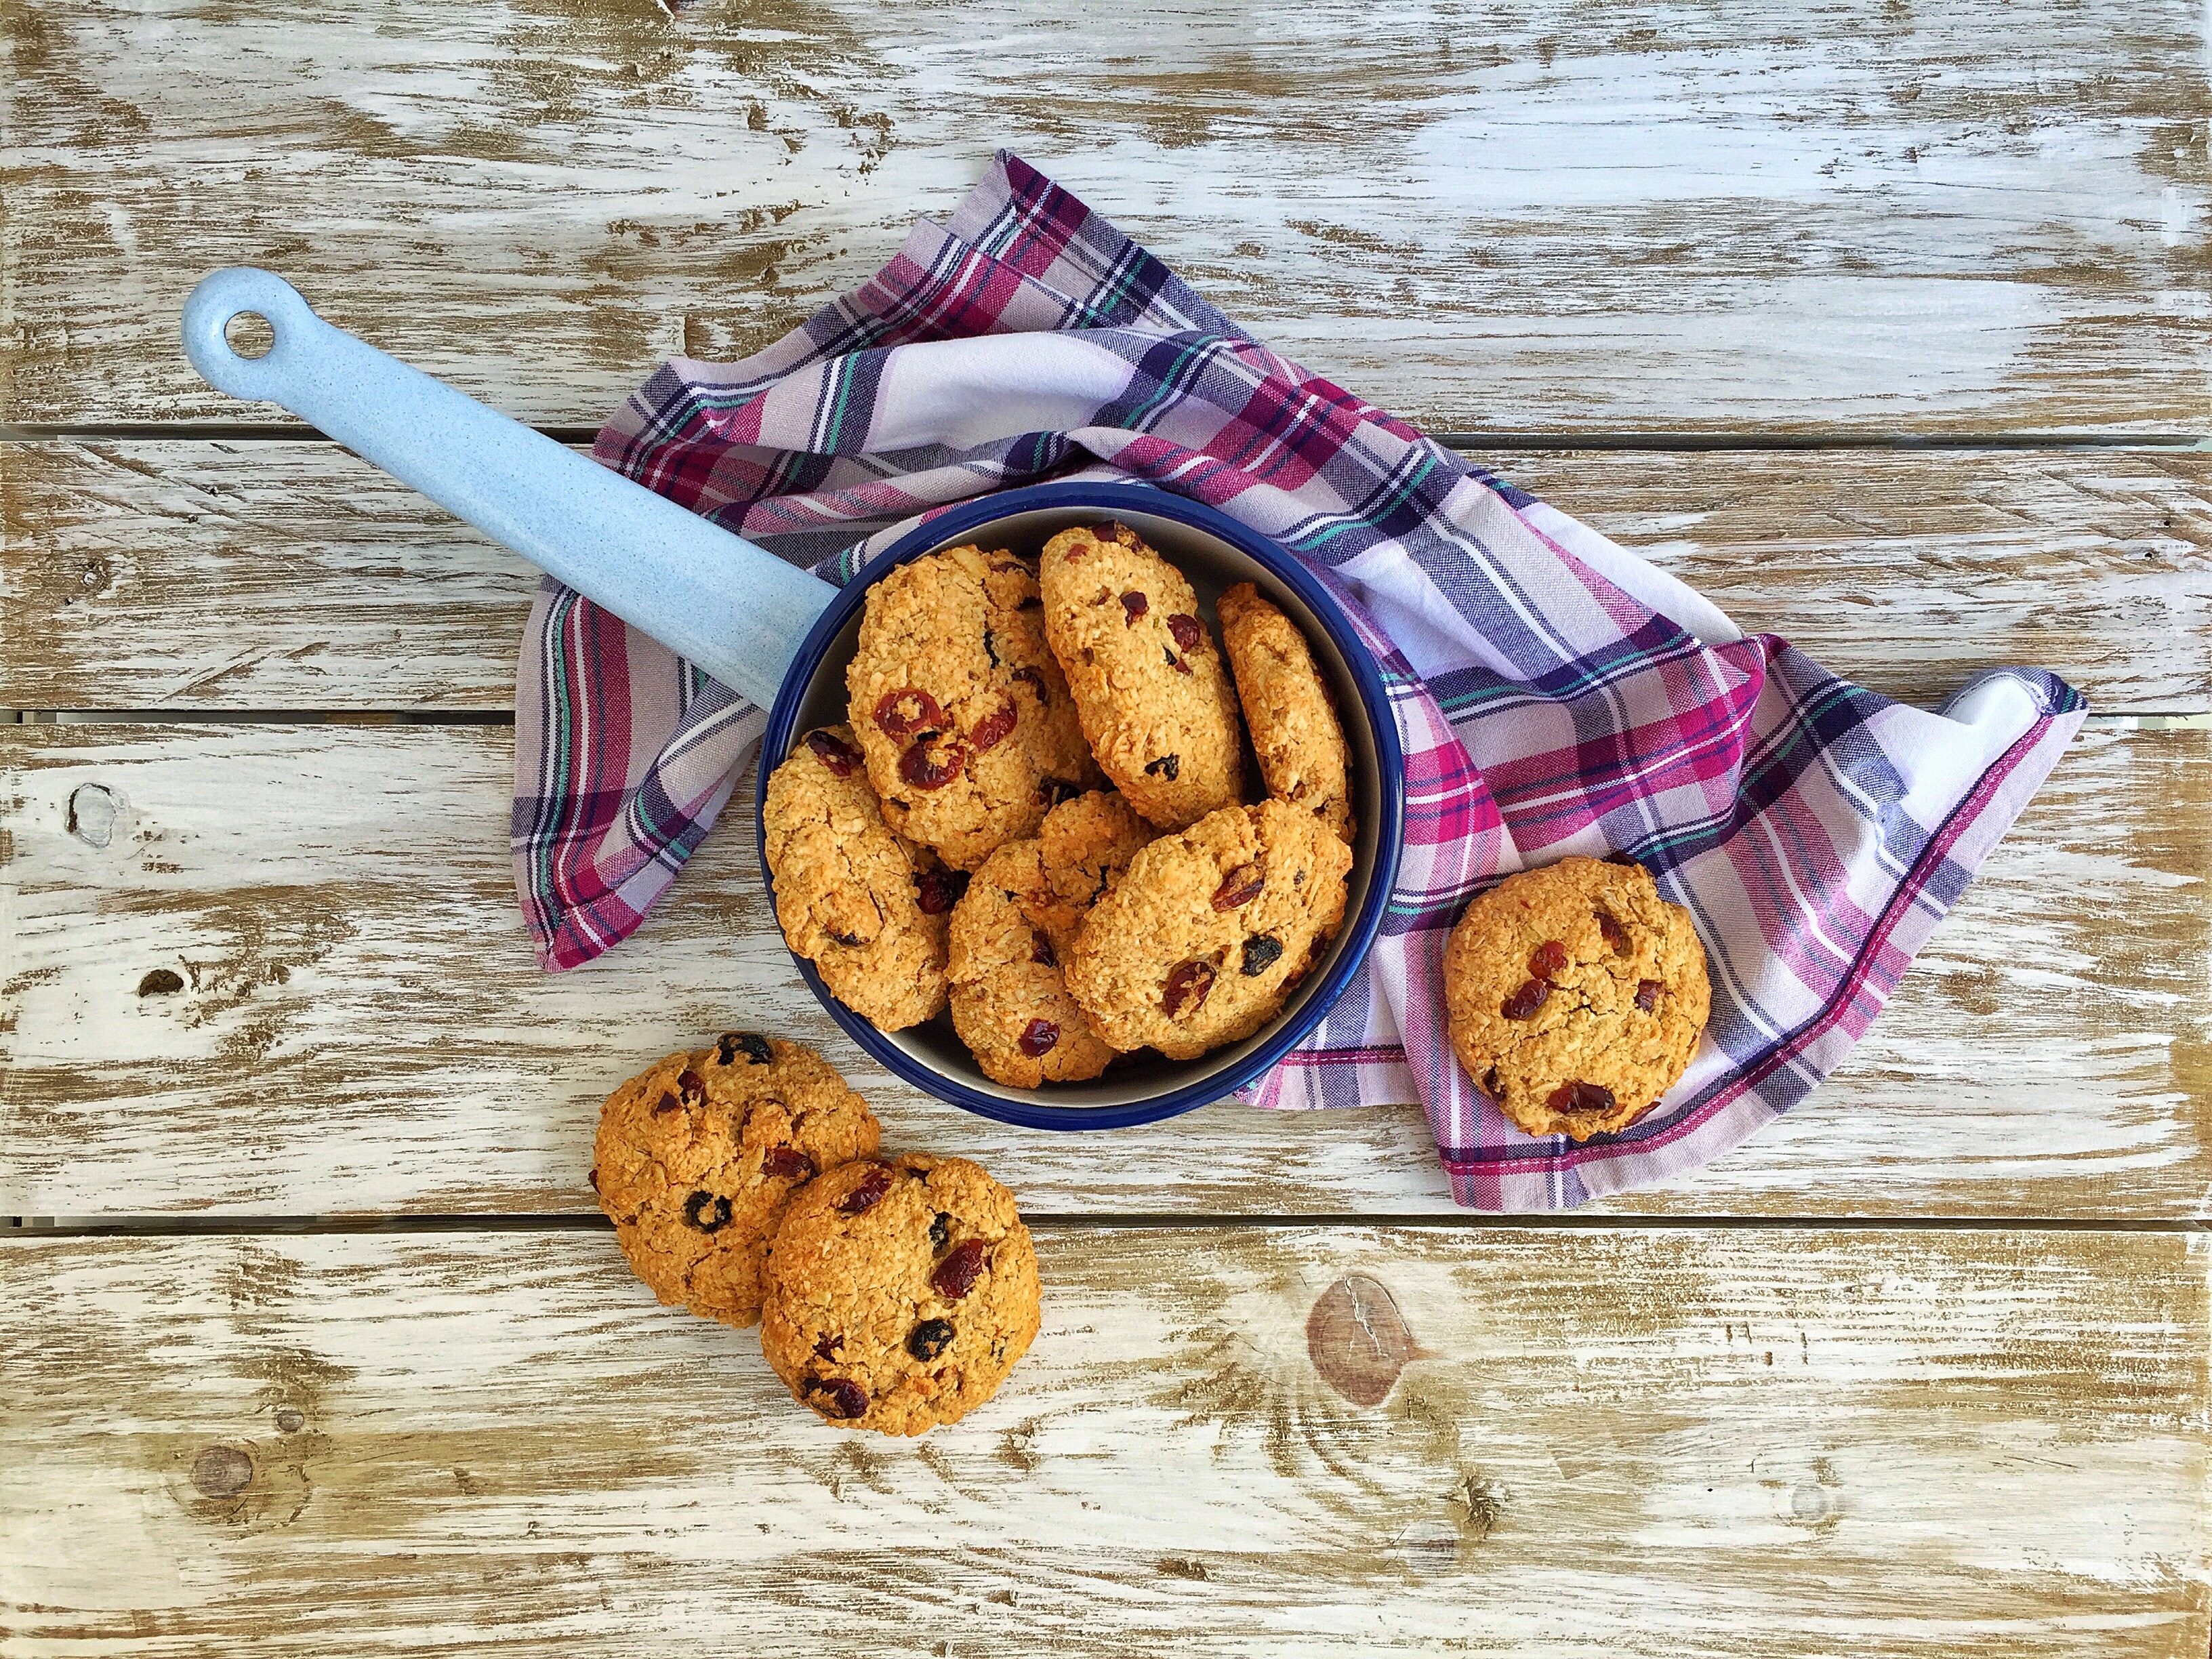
(1210, 565)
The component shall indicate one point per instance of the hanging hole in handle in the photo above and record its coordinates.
(249, 335)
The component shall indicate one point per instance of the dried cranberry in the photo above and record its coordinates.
(1176, 662)
(1261, 952)
(1107, 529)
(1240, 886)
(706, 1212)
(692, 1084)
(751, 1044)
(938, 890)
(934, 760)
(1035, 681)
(1186, 987)
(1133, 606)
(908, 709)
(836, 1396)
(1647, 993)
(787, 1162)
(929, 1338)
(1623, 858)
(1165, 767)
(940, 1233)
(828, 1346)
(955, 1276)
(594, 1179)
(1578, 1097)
(666, 1103)
(1615, 936)
(993, 728)
(1037, 1038)
(1525, 1002)
(834, 752)
(1041, 952)
(869, 1191)
(1187, 630)
(1547, 959)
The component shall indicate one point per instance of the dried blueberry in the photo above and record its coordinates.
(1176, 662)
(751, 1044)
(955, 1275)
(836, 1396)
(1261, 952)
(706, 1212)
(1525, 1002)
(929, 1338)
(1165, 767)
(1035, 681)
(1041, 952)
(869, 1191)
(1053, 791)
(990, 648)
(940, 1233)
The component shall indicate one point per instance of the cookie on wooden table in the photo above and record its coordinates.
(1576, 995)
(1287, 708)
(960, 706)
(899, 1295)
(1207, 931)
(1018, 919)
(1152, 690)
(696, 1154)
(868, 909)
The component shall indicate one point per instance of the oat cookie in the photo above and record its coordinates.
(866, 907)
(960, 706)
(1287, 707)
(1018, 917)
(696, 1154)
(1576, 995)
(1153, 692)
(1207, 931)
(899, 1295)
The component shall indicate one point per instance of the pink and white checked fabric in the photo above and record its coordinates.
(1554, 693)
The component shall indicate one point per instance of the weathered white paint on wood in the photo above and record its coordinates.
(1543, 217)
(361, 1028)
(1691, 1442)
(187, 573)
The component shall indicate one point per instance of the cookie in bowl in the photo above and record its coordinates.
(898, 1295)
(1296, 735)
(1150, 690)
(1576, 995)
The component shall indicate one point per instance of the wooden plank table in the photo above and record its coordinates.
(1884, 324)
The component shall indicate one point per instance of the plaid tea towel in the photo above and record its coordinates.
(1555, 693)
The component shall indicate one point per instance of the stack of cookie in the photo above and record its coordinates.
(1037, 814)
(743, 1184)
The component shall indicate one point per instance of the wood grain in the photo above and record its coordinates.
(199, 574)
(358, 1025)
(1675, 1443)
(1547, 216)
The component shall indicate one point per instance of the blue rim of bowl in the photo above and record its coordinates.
(1373, 695)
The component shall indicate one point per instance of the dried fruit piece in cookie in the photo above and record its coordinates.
(697, 1155)
(1575, 995)
(907, 1311)
(1287, 707)
(869, 910)
(959, 705)
(1207, 932)
(1153, 692)
(1012, 931)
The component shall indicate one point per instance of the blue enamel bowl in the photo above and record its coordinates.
(1214, 552)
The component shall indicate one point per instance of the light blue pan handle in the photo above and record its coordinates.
(715, 599)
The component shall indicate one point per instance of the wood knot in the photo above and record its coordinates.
(91, 815)
(162, 983)
(289, 1421)
(222, 1471)
(1357, 1339)
(1177, 1566)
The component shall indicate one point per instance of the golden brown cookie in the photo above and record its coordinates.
(1576, 995)
(866, 907)
(1020, 914)
(899, 1295)
(960, 706)
(696, 1154)
(1207, 931)
(1152, 693)
(1287, 707)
